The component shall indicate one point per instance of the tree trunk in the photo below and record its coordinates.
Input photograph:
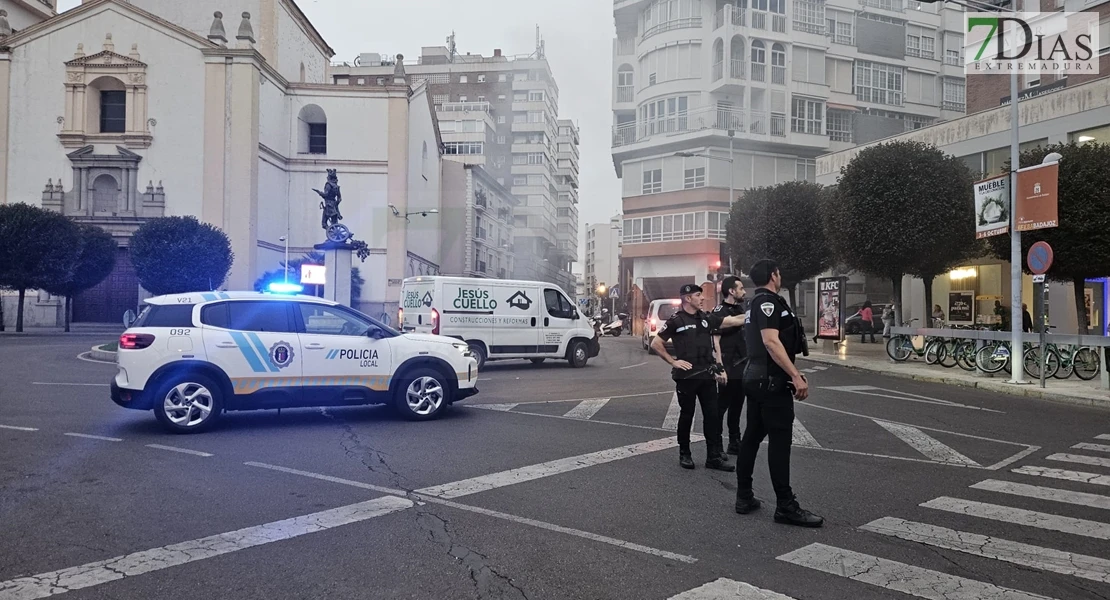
(69, 312)
(1078, 284)
(1, 310)
(19, 311)
(793, 297)
(928, 281)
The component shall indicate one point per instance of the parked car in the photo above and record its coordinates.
(658, 313)
(853, 323)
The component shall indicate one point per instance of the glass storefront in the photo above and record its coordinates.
(1097, 134)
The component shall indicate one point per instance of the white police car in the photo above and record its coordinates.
(189, 357)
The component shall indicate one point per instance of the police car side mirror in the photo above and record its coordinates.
(374, 333)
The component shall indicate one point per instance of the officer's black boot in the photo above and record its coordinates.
(733, 444)
(718, 461)
(685, 460)
(746, 502)
(791, 513)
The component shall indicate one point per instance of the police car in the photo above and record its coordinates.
(190, 357)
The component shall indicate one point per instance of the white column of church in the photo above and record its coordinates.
(132, 126)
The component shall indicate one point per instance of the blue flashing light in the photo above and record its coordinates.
(281, 287)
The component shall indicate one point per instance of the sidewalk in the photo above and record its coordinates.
(873, 358)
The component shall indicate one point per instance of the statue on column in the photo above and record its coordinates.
(330, 221)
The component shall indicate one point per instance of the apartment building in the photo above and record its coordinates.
(710, 94)
(603, 253)
(502, 112)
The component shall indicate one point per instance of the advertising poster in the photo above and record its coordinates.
(1037, 206)
(961, 307)
(992, 207)
(830, 306)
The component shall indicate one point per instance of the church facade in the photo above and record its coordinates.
(119, 111)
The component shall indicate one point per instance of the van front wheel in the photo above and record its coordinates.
(479, 352)
(578, 354)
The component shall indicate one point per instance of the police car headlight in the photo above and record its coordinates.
(462, 348)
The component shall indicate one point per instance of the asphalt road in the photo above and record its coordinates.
(551, 483)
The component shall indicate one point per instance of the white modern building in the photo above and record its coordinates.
(780, 82)
(603, 253)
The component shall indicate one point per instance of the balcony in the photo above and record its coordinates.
(465, 107)
(732, 15)
(729, 76)
(891, 5)
(778, 75)
(759, 72)
(751, 123)
(956, 106)
(626, 93)
(687, 23)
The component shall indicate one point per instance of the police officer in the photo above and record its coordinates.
(696, 374)
(731, 352)
(771, 382)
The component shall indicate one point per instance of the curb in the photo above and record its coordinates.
(987, 385)
(102, 355)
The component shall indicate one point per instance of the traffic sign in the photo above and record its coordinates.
(1039, 258)
(615, 291)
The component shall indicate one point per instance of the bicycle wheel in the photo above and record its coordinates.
(1032, 360)
(1067, 363)
(965, 355)
(948, 358)
(1086, 364)
(934, 352)
(898, 348)
(992, 358)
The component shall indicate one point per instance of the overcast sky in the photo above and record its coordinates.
(579, 36)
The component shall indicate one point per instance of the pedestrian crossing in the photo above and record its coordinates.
(889, 578)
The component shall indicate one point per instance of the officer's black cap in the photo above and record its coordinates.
(688, 289)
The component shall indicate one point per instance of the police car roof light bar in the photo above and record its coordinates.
(281, 287)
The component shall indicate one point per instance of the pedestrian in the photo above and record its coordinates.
(774, 336)
(938, 316)
(888, 320)
(729, 345)
(867, 322)
(696, 374)
(1026, 319)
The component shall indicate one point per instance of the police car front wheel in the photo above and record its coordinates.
(424, 396)
(188, 403)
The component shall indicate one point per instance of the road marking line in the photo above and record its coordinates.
(1045, 559)
(138, 563)
(1104, 436)
(867, 390)
(802, 437)
(1013, 459)
(926, 444)
(1020, 516)
(497, 407)
(821, 368)
(809, 370)
(492, 481)
(560, 529)
(586, 409)
(181, 450)
(633, 366)
(1082, 459)
(892, 575)
(1095, 447)
(14, 428)
(1092, 478)
(358, 484)
(670, 423)
(809, 403)
(94, 437)
(727, 589)
(65, 383)
(1045, 493)
(85, 357)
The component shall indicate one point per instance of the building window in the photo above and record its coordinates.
(536, 117)
(314, 130)
(462, 79)
(500, 139)
(879, 83)
(500, 119)
(809, 16)
(481, 79)
(952, 57)
(954, 95)
(536, 158)
(468, 148)
(439, 99)
(920, 42)
(503, 77)
(695, 178)
(535, 96)
(520, 180)
(113, 111)
(806, 169)
(839, 27)
(501, 97)
(481, 98)
(462, 98)
(653, 181)
(806, 116)
(839, 125)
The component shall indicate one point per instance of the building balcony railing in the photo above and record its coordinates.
(738, 69)
(742, 121)
(626, 93)
(687, 23)
(805, 26)
(956, 106)
(778, 23)
(778, 75)
(891, 5)
(733, 15)
(465, 107)
(759, 72)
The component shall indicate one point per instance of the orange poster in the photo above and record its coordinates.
(1037, 198)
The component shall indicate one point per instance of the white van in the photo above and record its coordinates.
(499, 318)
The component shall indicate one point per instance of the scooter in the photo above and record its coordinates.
(614, 328)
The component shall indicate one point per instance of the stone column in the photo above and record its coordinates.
(5, 107)
(337, 272)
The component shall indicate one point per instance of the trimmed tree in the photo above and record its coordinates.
(93, 264)
(38, 249)
(902, 208)
(783, 223)
(1081, 242)
(180, 254)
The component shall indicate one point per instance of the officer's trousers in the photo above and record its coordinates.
(771, 416)
(730, 401)
(690, 392)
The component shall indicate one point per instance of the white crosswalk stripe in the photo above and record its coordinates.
(727, 589)
(1045, 493)
(498, 407)
(586, 408)
(926, 444)
(802, 437)
(1083, 459)
(899, 577)
(1020, 516)
(1045, 559)
(1064, 474)
(1105, 436)
(1095, 447)
(671, 420)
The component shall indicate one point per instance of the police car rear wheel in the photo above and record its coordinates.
(424, 396)
(188, 403)
(578, 354)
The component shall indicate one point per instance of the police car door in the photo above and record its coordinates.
(255, 343)
(342, 360)
(558, 322)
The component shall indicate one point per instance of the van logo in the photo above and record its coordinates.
(281, 354)
(520, 300)
(427, 300)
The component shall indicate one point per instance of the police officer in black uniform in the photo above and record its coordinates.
(696, 374)
(772, 383)
(731, 352)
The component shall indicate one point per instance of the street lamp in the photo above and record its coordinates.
(285, 239)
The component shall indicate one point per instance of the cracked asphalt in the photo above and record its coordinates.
(329, 506)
